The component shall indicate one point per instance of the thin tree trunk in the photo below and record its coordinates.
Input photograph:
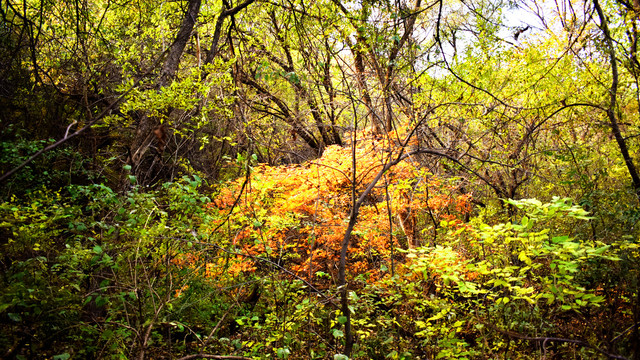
(622, 145)
(358, 59)
(358, 51)
(213, 51)
(613, 122)
(388, 76)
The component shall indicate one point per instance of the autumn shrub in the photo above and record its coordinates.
(296, 215)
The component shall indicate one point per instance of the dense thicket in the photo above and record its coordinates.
(319, 179)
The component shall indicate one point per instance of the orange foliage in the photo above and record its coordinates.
(297, 214)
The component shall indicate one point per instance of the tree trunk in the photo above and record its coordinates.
(613, 122)
(622, 145)
(144, 136)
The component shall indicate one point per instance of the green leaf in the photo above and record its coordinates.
(63, 356)
(101, 301)
(550, 298)
(523, 257)
(283, 353)
(559, 239)
(15, 317)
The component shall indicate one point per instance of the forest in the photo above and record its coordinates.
(319, 179)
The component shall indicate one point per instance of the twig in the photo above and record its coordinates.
(215, 329)
(235, 203)
(624, 332)
(66, 133)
